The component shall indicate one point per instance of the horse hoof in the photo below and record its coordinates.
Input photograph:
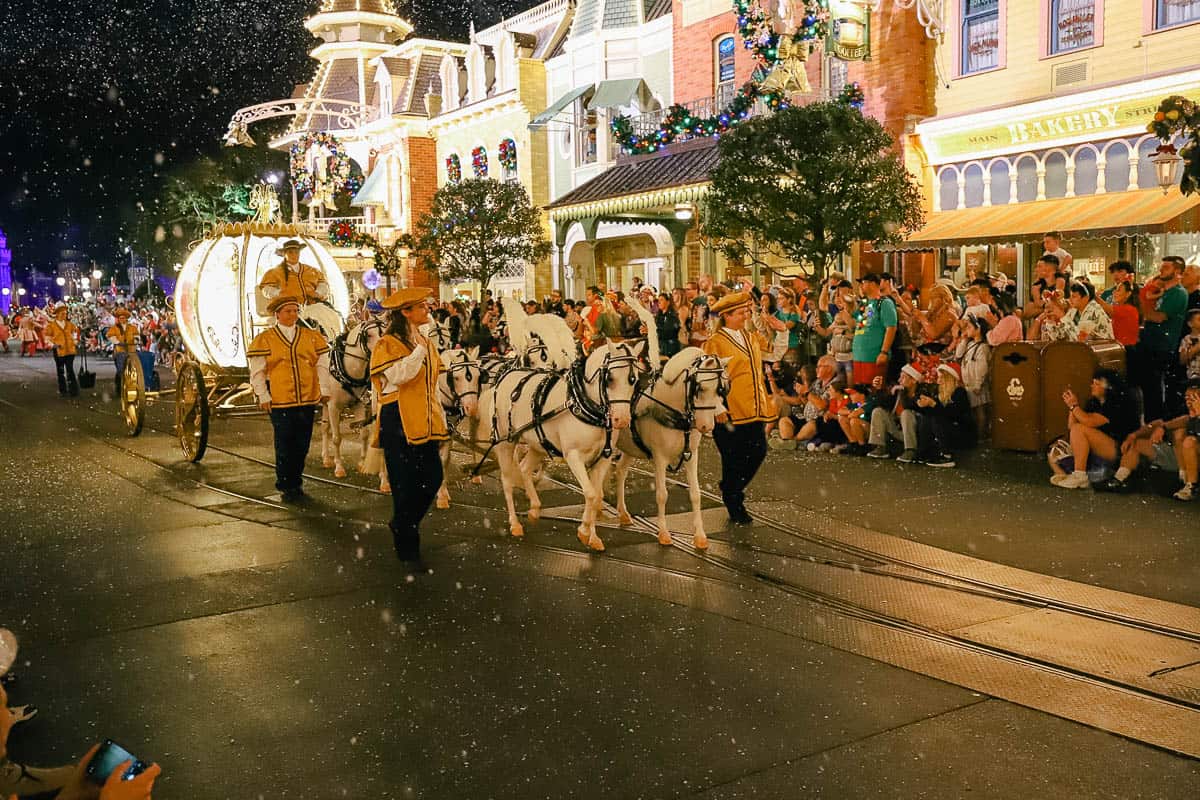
(595, 544)
(516, 530)
(700, 542)
(385, 489)
(624, 519)
(327, 462)
(534, 514)
(664, 537)
(477, 480)
(583, 535)
(340, 472)
(443, 502)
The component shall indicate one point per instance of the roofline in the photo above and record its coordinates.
(537, 15)
(403, 49)
(563, 212)
(332, 18)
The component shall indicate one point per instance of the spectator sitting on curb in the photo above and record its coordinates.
(854, 416)
(944, 421)
(781, 380)
(1148, 443)
(1096, 428)
(900, 422)
(790, 394)
(816, 396)
(830, 435)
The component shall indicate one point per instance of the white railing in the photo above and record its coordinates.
(319, 226)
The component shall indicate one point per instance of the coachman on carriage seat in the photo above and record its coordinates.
(293, 278)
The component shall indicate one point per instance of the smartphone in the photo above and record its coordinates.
(110, 756)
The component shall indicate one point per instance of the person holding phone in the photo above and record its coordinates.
(115, 781)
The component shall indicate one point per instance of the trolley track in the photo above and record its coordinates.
(738, 575)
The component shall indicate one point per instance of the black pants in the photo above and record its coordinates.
(742, 452)
(293, 435)
(1153, 375)
(938, 434)
(415, 474)
(65, 365)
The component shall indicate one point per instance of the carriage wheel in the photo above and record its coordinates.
(191, 411)
(133, 395)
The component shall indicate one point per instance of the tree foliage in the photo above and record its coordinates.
(804, 184)
(478, 229)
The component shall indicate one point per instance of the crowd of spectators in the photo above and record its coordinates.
(155, 322)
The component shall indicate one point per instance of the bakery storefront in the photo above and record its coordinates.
(1079, 164)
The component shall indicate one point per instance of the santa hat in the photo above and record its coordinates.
(950, 369)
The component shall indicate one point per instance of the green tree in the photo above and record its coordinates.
(804, 184)
(477, 229)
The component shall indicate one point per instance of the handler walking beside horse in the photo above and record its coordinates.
(289, 372)
(404, 368)
(740, 435)
(63, 335)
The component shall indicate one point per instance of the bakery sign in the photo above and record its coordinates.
(950, 140)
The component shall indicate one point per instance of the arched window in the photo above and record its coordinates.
(948, 189)
(507, 154)
(1056, 175)
(973, 186)
(1147, 173)
(479, 162)
(1027, 179)
(1086, 175)
(1001, 185)
(453, 168)
(726, 72)
(1116, 167)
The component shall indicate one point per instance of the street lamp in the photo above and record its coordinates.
(684, 211)
(97, 274)
(1166, 161)
(20, 291)
(61, 281)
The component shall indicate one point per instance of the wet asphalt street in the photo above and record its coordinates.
(258, 650)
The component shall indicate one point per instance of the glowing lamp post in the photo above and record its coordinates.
(1166, 163)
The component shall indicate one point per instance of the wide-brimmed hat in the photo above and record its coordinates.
(281, 301)
(120, 312)
(290, 244)
(731, 302)
(403, 298)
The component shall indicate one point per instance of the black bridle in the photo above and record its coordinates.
(338, 355)
(672, 417)
(451, 397)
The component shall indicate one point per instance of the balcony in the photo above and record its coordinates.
(319, 226)
(702, 108)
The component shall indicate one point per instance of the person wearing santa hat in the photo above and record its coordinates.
(898, 422)
(944, 420)
(289, 372)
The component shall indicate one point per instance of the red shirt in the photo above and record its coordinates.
(1125, 323)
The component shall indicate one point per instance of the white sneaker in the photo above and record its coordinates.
(1188, 492)
(1075, 480)
(812, 447)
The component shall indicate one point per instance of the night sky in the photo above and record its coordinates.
(97, 98)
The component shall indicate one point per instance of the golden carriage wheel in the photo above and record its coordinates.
(191, 410)
(133, 395)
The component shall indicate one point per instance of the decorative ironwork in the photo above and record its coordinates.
(336, 115)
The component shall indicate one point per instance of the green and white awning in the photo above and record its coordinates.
(556, 108)
(617, 93)
(374, 189)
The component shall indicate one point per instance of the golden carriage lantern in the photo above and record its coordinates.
(850, 33)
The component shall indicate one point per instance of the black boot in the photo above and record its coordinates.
(408, 545)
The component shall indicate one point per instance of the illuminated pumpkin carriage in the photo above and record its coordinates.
(219, 310)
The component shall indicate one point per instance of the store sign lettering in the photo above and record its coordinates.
(1066, 125)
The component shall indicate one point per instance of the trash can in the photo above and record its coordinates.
(1072, 365)
(1017, 396)
(151, 376)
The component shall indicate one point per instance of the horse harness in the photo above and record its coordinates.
(338, 354)
(578, 403)
(673, 418)
(451, 398)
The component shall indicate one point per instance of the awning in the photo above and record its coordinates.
(613, 94)
(374, 190)
(550, 113)
(1101, 216)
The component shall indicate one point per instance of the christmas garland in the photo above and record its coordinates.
(343, 234)
(479, 162)
(1179, 115)
(453, 168)
(508, 154)
(341, 168)
(754, 26)
(852, 95)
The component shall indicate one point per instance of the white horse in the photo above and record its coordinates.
(349, 364)
(458, 390)
(572, 410)
(669, 417)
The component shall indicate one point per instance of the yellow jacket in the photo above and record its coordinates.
(63, 338)
(748, 400)
(420, 409)
(291, 366)
(300, 282)
(126, 336)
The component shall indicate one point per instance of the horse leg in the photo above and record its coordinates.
(335, 434)
(660, 495)
(508, 466)
(326, 438)
(699, 537)
(443, 495)
(587, 527)
(623, 464)
(529, 466)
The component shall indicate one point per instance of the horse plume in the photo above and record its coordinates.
(651, 329)
(518, 324)
(554, 333)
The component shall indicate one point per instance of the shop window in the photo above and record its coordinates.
(726, 73)
(980, 35)
(1116, 168)
(1027, 180)
(948, 189)
(1168, 13)
(839, 75)
(1056, 175)
(1072, 25)
(1086, 176)
(973, 186)
(585, 135)
(1001, 194)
